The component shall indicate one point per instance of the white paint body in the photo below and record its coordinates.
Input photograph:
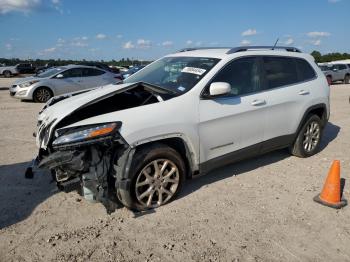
(207, 124)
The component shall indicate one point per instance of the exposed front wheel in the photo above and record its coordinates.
(309, 138)
(156, 175)
(42, 95)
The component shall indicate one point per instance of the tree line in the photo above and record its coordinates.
(319, 58)
(60, 62)
(125, 62)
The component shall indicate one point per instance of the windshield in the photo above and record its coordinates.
(51, 72)
(178, 74)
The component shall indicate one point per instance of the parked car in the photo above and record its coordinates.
(131, 71)
(41, 69)
(104, 67)
(336, 72)
(25, 68)
(8, 71)
(181, 116)
(61, 80)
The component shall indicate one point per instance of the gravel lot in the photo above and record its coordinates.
(257, 210)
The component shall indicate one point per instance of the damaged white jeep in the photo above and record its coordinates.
(181, 116)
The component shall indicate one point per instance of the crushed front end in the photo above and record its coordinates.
(82, 158)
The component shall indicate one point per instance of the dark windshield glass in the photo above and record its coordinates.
(178, 74)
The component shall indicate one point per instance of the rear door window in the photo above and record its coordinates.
(280, 71)
(92, 72)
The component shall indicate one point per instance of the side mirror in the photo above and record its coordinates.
(219, 88)
(59, 76)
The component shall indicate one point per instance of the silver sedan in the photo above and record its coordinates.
(61, 80)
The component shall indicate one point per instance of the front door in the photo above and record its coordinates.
(236, 121)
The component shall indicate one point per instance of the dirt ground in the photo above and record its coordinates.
(257, 210)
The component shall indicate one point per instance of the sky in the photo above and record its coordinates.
(146, 30)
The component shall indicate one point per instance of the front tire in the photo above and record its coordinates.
(42, 95)
(308, 140)
(156, 174)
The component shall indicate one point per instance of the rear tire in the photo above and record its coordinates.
(42, 95)
(309, 137)
(329, 80)
(7, 73)
(156, 177)
(347, 79)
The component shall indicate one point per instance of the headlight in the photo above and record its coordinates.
(28, 84)
(87, 133)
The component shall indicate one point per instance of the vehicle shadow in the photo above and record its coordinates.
(4, 88)
(330, 133)
(20, 196)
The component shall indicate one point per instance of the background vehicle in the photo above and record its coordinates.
(336, 72)
(104, 67)
(8, 71)
(41, 69)
(181, 116)
(60, 80)
(131, 71)
(25, 68)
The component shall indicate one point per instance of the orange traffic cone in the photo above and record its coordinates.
(331, 195)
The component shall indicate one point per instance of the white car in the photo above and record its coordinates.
(183, 115)
(61, 80)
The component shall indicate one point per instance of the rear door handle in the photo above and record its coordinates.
(303, 92)
(258, 102)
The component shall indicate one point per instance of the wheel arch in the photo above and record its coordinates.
(42, 86)
(319, 109)
(179, 143)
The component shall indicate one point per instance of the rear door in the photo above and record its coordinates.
(70, 82)
(235, 121)
(288, 90)
(93, 77)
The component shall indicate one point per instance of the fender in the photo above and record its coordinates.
(324, 117)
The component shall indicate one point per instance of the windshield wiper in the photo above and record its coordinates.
(158, 88)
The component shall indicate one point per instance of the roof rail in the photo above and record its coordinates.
(200, 48)
(246, 48)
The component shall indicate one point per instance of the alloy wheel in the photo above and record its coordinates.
(311, 136)
(157, 183)
(43, 95)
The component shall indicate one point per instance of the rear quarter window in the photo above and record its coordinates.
(305, 70)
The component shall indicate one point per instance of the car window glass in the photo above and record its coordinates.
(74, 72)
(280, 71)
(242, 74)
(92, 72)
(342, 67)
(306, 72)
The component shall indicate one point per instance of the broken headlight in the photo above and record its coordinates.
(87, 134)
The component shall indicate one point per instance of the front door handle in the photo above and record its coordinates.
(258, 102)
(303, 92)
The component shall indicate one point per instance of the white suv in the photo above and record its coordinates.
(183, 115)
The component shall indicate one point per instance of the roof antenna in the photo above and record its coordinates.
(273, 48)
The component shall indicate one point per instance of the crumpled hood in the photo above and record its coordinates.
(52, 115)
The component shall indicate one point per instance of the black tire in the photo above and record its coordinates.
(142, 158)
(329, 80)
(42, 95)
(300, 147)
(7, 73)
(347, 79)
